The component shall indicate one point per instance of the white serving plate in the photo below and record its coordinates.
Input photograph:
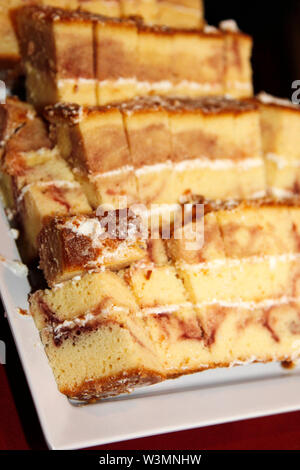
(203, 399)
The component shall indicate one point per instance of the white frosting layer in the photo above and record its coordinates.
(197, 163)
(88, 227)
(280, 193)
(157, 168)
(262, 304)
(273, 260)
(69, 324)
(258, 194)
(164, 309)
(219, 164)
(160, 86)
(111, 255)
(45, 184)
(266, 98)
(119, 171)
(168, 309)
(239, 85)
(282, 161)
(83, 320)
(163, 85)
(91, 227)
(208, 28)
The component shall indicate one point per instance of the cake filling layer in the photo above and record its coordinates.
(281, 193)
(272, 260)
(203, 162)
(166, 85)
(57, 326)
(45, 184)
(282, 161)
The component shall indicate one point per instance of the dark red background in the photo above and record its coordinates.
(19, 428)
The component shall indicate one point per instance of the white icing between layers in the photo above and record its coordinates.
(109, 255)
(280, 193)
(157, 168)
(44, 184)
(167, 309)
(219, 164)
(249, 305)
(202, 162)
(239, 85)
(231, 262)
(282, 161)
(81, 322)
(163, 309)
(119, 171)
(84, 320)
(91, 227)
(164, 85)
(258, 194)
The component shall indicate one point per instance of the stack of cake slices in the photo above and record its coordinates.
(185, 14)
(118, 59)
(173, 310)
(157, 194)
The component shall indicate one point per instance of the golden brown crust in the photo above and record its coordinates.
(234, 204)
(124, 382)
(9, 61)
(51, 15)
(111, 386)
(240, 361)
(230, 205)
(74, 113)
(32, 136)
(64, 250)
(45, 14)
(14, 114)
